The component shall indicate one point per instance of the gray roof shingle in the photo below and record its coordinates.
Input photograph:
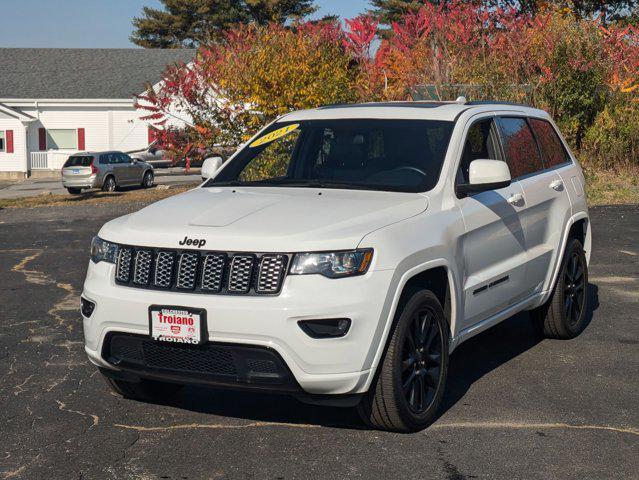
(82, 73)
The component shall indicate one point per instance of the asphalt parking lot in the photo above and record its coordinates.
(516, 407)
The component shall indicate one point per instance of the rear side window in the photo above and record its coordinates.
(79, 161)
(550, 144)
(520, 147)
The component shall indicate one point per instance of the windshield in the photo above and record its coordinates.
(396, 155)
(78, 161)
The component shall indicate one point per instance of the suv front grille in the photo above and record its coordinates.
(201, 272)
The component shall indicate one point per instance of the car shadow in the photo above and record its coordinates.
(471, 361)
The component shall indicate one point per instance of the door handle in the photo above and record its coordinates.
(557, 185)
(516, 199)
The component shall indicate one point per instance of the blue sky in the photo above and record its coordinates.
(97, 23)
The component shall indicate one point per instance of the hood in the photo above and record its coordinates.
(264, 219)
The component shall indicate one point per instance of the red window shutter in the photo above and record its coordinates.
(9, 139)
(42, 138)
(152, 135)
(81, 145)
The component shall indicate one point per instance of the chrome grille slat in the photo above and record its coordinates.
(201, 272)
(271, 272)
(123, 268)
(187, 271)
(163, 276)
(241, 273)
(142, 267)
(213, 272)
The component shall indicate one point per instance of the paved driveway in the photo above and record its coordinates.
(38, 186)
(516, 408)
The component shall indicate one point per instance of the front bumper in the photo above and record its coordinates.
(318, 366)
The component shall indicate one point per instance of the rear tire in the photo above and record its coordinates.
(409, 386)
(563, 316)
(146, 390)
(109, 184)
(74, 191)
(147, 179)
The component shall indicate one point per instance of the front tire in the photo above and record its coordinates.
(147, 180)
(409, 387)
(564, 315)
(109, 184)
(145, 390)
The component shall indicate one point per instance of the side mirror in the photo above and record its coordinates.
(486, 175)
(211, 166)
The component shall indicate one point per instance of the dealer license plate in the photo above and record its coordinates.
(75, 171)
(177, 324)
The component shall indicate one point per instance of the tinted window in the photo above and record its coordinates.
(480, 144)
(520, 147)
(124, 158)
(79, 161)
(402, 155)
(552, 149)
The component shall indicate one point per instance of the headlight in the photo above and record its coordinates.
(332, 264)
(103, 251)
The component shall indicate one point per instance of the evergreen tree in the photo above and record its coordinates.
(188, 23)
(389, 11)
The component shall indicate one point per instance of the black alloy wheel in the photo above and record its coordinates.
(574, 288)
(421, 361)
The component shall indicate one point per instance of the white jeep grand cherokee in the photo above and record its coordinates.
(342, 254)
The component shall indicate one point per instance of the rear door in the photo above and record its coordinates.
(117, 167)
(135, 169)
(493, 247)
(548, 204)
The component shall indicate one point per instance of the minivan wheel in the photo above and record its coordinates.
(109, 184)
(563, 316)
(408, 389)
(147, 180)
(74, 191)
(146, 390)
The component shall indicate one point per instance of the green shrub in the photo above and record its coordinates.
(612, 141)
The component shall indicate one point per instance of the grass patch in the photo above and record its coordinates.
(608, 187)
(96, 197)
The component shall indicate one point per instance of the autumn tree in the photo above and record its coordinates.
(190, 23)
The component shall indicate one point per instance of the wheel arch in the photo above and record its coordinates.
(107, 175)
(578, 226)
(436, 275)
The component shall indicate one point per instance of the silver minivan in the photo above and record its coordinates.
(105, 170)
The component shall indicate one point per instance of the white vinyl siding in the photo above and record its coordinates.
(62, 139)
(16, 161)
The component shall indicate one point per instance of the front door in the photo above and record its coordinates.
(493, 246)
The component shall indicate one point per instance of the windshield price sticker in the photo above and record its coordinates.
(274, 135)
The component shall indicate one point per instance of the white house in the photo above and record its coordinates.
(55, 102)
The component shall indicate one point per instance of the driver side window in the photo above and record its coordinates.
(481, 143)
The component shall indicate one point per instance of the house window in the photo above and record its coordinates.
(2, 141)
(60, 139)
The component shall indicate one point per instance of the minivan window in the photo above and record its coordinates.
(79, 161)
(550, 144)
(395, 155)
(520, 147)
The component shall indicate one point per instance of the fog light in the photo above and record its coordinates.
(86, 307)
(326, 328)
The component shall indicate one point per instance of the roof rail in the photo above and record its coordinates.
(492, 102)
